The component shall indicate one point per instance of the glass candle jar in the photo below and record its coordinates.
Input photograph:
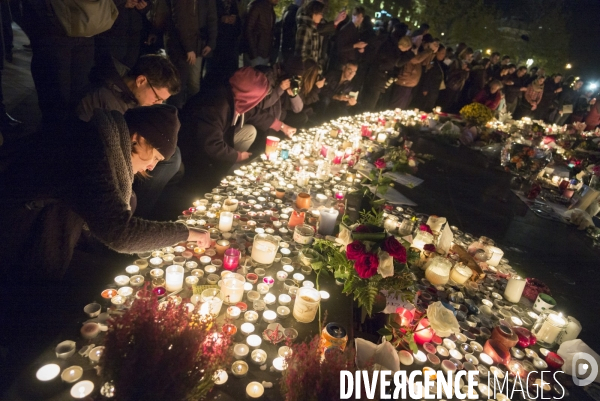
(460, 273)
(304, 234)
(306, 304)
(438, 270)
(264, 249)
(423, 238)
(548, 327)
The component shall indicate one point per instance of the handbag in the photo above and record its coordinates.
(567, 109)
(84, 18)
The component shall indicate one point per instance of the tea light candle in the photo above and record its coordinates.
(251, 316)
(247, 328)
(288, 268)
(233, 312)
(324, 295)
(82, 389)
(71, 374)
(220, 377)
(269, 299)
(96, 353)
(283, 312)
(253, 341)
(239, 368)
(279, 364)
(486, 359)
(136, 281)
(258, 357)
(262, 288)
(284, 351)
(240, 351)
(122, 280)
(157, 273)
(48, 372)
(118, 300)
(420, 358)
(90, 330)
(269, 281)
(308, 284)
(156, 261)
(255, 390)
(299, 277)
(285, 299)
(269, 316)
(132, 270)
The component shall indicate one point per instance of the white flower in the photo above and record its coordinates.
(345, 236)
(442, 320)
(386, 264)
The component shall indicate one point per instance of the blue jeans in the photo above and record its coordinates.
(148, 190)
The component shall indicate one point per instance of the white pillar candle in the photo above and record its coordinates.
(495, 255)
(381, 137)
(82, 389)
(47, 372)
(571, 332)
(514, 290)
(327, 221)
(174, 278)
(226, 221)
(255, 390)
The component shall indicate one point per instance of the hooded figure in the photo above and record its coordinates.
(213, 134)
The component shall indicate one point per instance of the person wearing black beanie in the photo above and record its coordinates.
(85, 179)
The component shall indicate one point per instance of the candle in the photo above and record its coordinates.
(297, 218)
(71, 374)
(303, 201)
(422, 238)
(381, 137)
(269, 281)
(132, 270)
(327, 221)
(250, 316)
(231, 259)
(96, 353)
(233, 312)
(253, 341)
(495, 255)
(306, 304)
(47, 372)
(239, 368)
(284, 299)
(174, 278)
(283, 312)
(571, 332)
(220, 377)
(82, 389)
(406, 358)
(423, 333)
(548, 327)
(258, 356)
(122, 280)
(90, 330)
(221, 246)
(226, 221)
(284, 351)
(247, 328)
(240, 351)
(514, 290)
(269, 316)
(255, 390)
(269, 299)
(279, 364)
(264, 249)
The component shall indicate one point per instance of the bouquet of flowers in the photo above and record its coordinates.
(404, 159)
(162, 352)
(476, 114)
(368, 260)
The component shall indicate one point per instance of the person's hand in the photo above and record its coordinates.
(243, 156)
(360, 45)
(287, 130)
(191, 58)
(560, 112)
(509, 83)
(200, 236)
(206, 50)
(593, 101)
(340, 17)
(151, 39)
(534, 107)
(361, 50)
(320, 84)
(559, 90)
(290, 93)
(131, 3)
(141, 5)
(351, 101)
(523, 89)
(285, 84)
(425, 93)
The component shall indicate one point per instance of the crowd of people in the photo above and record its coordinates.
(161, 97)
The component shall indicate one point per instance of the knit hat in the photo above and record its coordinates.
(294, 65)
(158, 125)
(249, 87)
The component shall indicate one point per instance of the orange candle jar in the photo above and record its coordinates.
(303, 200)
(296, 218)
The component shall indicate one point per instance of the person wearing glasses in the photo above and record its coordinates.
(152, 80)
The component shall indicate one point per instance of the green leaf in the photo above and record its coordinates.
(384, 331)
(395, 325)
(389, 337)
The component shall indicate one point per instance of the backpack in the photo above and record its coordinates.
(83, 18)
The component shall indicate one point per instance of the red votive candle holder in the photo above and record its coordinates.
(231, 259)
(423, 333)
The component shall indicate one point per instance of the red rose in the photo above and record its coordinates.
(425, 227)
(429, 248)
(395, 249)
(380, 163)
(362, 229)
(367, 265)
(355, 250)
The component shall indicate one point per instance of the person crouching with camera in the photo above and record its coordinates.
(338, 97)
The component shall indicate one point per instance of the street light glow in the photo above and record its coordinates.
(593, 86)
(488, 51)
(569, 66)
(529, 62)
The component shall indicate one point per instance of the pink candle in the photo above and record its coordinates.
(231, 259)
(423, 333)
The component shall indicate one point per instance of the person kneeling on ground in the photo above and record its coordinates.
(335, 96)
(47, 200)
(152, 80)
(490, 96)
(214, 135)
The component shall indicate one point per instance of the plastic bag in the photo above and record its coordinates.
(442, 320)
(580, 218)
(575, 349)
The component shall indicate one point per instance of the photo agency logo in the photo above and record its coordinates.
(438, 385)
